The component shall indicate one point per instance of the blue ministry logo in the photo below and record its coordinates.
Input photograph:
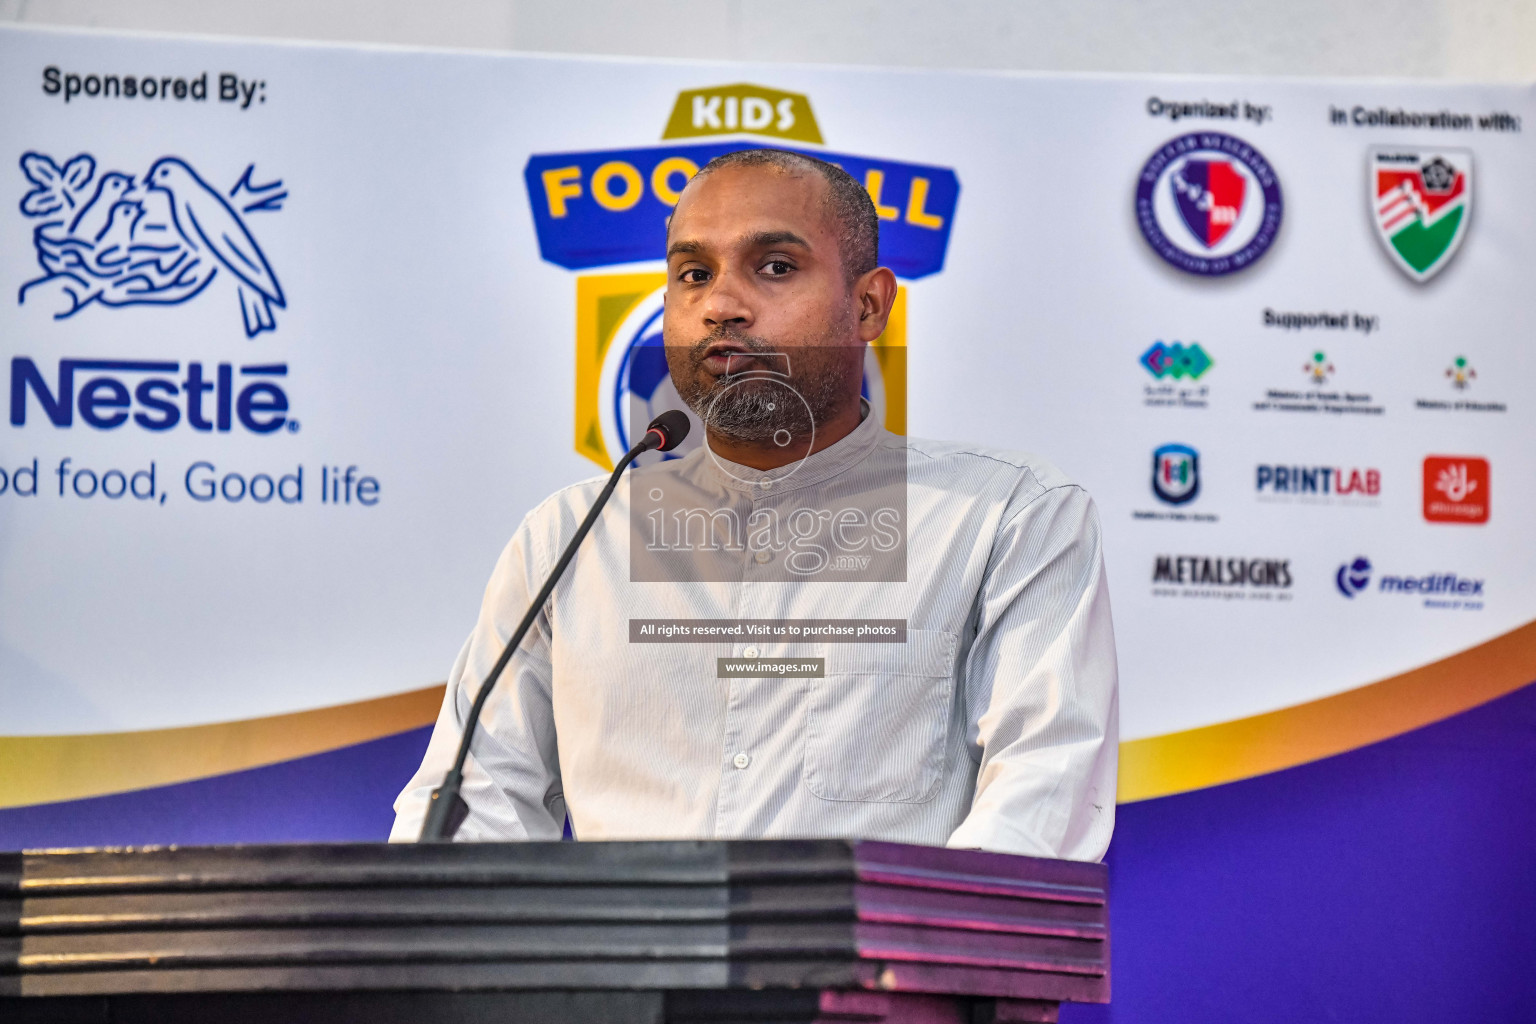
(1176, 473)
(118, 240)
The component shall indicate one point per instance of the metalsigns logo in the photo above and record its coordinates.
(1176, 473)
(606, 207)
(116, 240)
(1221, 577)
(1208, 203)
(1457, 489)
(1423, 203)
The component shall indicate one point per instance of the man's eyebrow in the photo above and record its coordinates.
(685, 248)
(770, 239)
(759, 240)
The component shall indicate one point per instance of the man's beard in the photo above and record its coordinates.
(757, 404)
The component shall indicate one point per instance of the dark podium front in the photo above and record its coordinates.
(691, 932)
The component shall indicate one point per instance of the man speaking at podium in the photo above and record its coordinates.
(807, 626)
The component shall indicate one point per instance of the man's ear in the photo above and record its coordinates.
(875, 293)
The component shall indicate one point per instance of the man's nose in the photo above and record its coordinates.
(727, 305)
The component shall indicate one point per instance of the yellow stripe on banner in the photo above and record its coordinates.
(47, 769)
(1196, 758)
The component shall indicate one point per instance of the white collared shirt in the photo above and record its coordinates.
(993, 726)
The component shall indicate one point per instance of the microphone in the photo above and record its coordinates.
(447, 809)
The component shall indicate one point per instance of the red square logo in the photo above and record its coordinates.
(1456, 489)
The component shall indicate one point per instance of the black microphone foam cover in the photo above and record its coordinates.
(673, 426)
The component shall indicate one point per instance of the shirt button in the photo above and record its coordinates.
(741, 760)
(766, 485)
(763, 556)
(750, 652)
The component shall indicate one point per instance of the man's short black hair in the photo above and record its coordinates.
(848, 202)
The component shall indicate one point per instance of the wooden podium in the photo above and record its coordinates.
(565, 933)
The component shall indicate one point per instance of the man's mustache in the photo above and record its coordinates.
(755, 346)
(758, 354)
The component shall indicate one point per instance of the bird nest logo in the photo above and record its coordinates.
(116, 239)
(595, 209)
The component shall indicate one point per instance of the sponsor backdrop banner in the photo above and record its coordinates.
(294, 335)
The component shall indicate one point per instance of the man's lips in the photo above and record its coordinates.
(723, 356)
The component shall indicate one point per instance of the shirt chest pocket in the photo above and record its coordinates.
(877, 722)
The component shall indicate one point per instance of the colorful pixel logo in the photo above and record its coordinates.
(1176, 360)
(1456, 489)
(1318, 368)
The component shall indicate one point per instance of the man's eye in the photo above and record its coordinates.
(777, 268)
(694, 275)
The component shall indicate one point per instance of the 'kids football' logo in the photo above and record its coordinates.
(1208, 203)
(602, 208)
(1422, 202)
(160, 239)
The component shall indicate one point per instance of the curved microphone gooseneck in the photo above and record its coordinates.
(447, 810)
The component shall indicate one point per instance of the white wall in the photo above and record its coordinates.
(1459, 39)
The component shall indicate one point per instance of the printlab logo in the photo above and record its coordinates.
(117, 240)
(1317, 484)
(1456, 489)
(600, 208)
(1318, 369)
(1423, 203)
(1176, 473)
(1208, 203)
(1176, 360)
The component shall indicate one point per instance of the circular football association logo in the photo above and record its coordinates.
(1208, 203)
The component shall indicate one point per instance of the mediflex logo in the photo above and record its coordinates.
(1440, 589)
(107, 393)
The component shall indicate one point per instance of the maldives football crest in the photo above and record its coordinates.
(1208, 203)
(1422, 201)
